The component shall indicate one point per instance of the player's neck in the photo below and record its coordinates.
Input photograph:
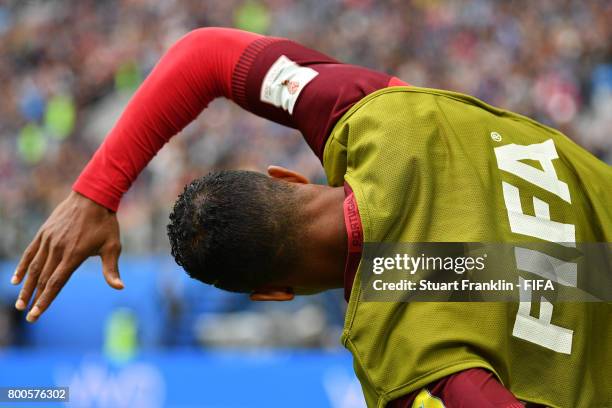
(324, 240)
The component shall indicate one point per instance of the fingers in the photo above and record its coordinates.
(34, 269)
(26, 258)
(110, 265)
(50, 278)
(53, 260)
(77, 229)
(52, 287)
(53, 284)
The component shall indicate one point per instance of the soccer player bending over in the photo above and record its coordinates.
(404, 164)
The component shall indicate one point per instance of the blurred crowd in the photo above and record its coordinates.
(68, 68)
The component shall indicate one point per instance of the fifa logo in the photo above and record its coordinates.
(540, 225)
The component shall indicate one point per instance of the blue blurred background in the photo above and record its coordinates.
(170, 341)
(68, 68)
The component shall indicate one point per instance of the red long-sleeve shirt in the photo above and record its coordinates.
(212, 62)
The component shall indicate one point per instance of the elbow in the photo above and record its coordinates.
(205, 35)
(212, 53)
(217, 40)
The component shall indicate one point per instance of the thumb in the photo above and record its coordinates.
(110, 266)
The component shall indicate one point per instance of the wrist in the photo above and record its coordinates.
(85, 189)
(81, 201)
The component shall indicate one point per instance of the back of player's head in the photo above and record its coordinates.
(235, 229)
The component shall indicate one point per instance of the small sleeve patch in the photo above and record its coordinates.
(283, 83)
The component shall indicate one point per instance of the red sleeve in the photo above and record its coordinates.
(321, 101)
(474, 387)
(213, 62)
(197, 69)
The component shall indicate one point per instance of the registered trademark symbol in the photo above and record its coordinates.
(496, 136)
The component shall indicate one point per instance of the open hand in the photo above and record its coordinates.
(77, 229)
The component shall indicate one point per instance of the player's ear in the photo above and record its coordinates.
(287, 175)
(276, 293)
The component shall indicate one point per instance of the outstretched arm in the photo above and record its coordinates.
(271, 77)
(197, 69)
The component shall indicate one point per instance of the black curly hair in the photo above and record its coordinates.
(235, 229)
